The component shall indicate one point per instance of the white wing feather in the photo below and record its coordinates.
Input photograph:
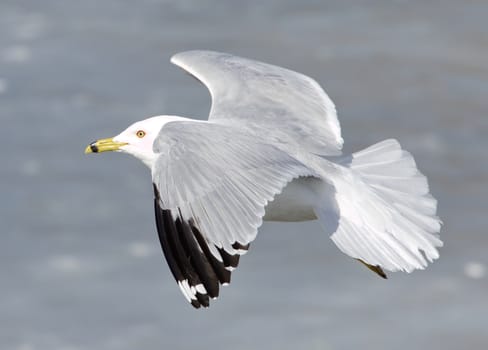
(284, 106)
(220, 178)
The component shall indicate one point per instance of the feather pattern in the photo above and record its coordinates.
(211, 191)
(385, 214)
(257, 95)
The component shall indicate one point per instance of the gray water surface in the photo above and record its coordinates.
(80, 261)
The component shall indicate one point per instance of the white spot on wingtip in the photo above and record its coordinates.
(230, 268)
(200, 289)
(475, 270)
(184, 291)
(189, 290)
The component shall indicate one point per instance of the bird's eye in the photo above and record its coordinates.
(140, 134)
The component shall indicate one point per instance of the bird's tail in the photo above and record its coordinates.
(384, 212)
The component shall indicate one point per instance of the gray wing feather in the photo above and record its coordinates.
(220, 179)
(286, 106)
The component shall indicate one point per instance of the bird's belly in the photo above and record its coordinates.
(296, 202)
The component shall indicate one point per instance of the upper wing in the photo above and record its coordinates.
(286, 106)
(212, 184)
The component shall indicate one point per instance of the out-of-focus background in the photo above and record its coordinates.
(80, 262)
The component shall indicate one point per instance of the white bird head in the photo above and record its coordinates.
(137, 139)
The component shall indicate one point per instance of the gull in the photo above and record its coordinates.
(271, 150)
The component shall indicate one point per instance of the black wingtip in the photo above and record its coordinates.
(198, 273)
(238, 246)
(196, 304)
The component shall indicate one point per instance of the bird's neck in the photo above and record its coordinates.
(156, 124)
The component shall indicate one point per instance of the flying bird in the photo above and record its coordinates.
(271, 150)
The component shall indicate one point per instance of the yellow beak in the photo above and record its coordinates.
(104, 145)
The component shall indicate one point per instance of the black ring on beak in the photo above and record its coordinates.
(94, 147)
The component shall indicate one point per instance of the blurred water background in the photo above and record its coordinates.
(80, 261)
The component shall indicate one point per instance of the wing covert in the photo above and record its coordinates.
(212, 184)
(260, 96)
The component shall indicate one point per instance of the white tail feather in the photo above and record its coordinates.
(386, 215)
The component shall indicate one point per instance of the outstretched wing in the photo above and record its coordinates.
(284, 105)
(212, 183)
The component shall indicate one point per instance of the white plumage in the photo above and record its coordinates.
(271, 150)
